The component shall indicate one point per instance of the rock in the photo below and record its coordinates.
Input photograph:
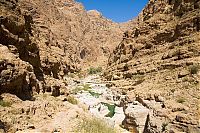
(131, 96)
(10, 98)
(155, 125)
(136, 116)
(153, 57)
(119, 115)
(56, 91)
(179, 107)
(183, 73)
(16, 76)
(102, 110)
(152, 104)
(109, 85)
(115, 77)
(31, 127)
(2, 127)
(181, 118)
(184, 118)
(159, 98)
(2, 131)
(38, 50)
(47, 88)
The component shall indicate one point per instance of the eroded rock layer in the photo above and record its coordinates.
(50, 39)
(19, 53)
(160, 57)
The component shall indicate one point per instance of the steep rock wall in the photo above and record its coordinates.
(160, 57)
(20, 60)
(54, 38)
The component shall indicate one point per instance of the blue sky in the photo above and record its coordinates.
(116, 10)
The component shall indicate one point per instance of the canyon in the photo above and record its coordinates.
(61, 65)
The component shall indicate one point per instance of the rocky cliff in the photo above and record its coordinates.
(20, 60)
(160, 57)
(48, 39)
(68, 35)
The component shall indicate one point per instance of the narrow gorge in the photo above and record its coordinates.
(64, 69)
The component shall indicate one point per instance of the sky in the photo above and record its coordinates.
(116, 10)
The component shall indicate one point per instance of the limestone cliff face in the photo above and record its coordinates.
(67, 35)
(52, 37)
(19, 53)
(160, 56)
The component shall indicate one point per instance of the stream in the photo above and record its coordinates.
(101, 101)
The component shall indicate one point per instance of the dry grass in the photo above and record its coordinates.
(72, 100)
(93, 70)
(94, 125)
(5, 103)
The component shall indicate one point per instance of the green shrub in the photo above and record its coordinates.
(72, 100)
(111, 108)
(86, 87)
(93, 70)
(94, 125)
(76, 90)
(194, 69)
(5, 103)
(94, 94)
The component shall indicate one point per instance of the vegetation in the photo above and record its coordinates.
(85, 87)
(72, 100)
(111, 108)
(164, 126)
(94, 94)
(93, 70)
(94, 125)
(138, 77)
(194, 69)
(181, 100)
(5, 103)
(80, 75)
(71, 75)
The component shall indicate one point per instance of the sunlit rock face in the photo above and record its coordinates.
(160, 57)
(69, 36)
(55, 38)
(19, 54)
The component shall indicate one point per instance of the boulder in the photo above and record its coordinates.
(116, 77)
(183, 73)
(136, 116)
(56, 91)
(119, 115)
(16, 76)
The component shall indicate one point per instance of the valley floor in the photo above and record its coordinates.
(90, 105)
